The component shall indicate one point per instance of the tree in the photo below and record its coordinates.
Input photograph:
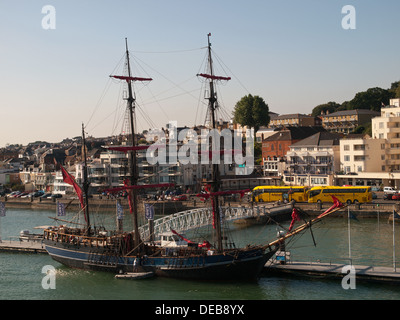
(330, 106)
(251, 111)
(395, 89)
(371, 99)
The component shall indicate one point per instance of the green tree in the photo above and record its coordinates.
(371, 99)
(365, 128)
(395, 89)
(330, 106)
(251, 111)
(257, 152)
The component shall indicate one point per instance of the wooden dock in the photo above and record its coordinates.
(333, 270)
(22, 246)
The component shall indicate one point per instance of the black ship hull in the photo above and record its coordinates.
(231, 265)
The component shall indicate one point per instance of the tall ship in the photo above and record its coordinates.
(97, 248)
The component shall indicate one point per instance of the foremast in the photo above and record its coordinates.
(85, 183)
(216, 179)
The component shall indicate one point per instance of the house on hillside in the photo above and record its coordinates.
(276, 146)
(313, 160)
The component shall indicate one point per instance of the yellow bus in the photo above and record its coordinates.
(276, 193)
(347, 195)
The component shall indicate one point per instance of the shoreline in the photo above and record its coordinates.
(363, 210)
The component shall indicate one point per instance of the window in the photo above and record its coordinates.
(346, 147)
(346, 158)
(359, 147)
(380, 125)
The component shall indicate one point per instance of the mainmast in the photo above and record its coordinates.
(216, 181)
(132, 154)
(133, 172)
(85, 183)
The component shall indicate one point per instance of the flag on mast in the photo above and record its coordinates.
(120, 211)
(60, 209)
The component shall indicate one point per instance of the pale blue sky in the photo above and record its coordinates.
(295, 54)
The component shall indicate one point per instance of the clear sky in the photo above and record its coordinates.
(294, 54)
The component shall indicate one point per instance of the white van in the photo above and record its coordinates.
(389, 190)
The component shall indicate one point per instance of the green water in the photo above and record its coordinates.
(21, 274)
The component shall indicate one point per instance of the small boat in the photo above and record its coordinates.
(135, 275)
(26, 235)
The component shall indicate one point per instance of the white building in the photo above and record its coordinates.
(375, 161)
(313, 161)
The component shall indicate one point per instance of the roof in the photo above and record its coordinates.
(324, 138)
(294, 133)
(351, 112)
(291, 116)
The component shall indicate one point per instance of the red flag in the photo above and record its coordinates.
(71, 180)
(180, 236)
(336, 204)
(295, 217)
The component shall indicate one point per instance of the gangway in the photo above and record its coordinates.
(201, 217)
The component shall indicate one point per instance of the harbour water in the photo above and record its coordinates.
(371, 244)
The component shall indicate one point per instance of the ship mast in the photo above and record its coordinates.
(132, 154)
(133, 172)
(215, 183)
(85, 183)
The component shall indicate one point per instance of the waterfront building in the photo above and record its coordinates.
(313, 161)
(276, 146)
(361, 153)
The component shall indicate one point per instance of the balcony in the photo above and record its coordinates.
(392, 162)
(393, 140)
(393, 151)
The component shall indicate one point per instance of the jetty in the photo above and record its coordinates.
(22, 246)
(334, 271)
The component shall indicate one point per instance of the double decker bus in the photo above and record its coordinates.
(345, 194)
(280, 193)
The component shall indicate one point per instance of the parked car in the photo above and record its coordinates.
(56, 195)
(396, 196)
(22, 194)
(387, 196)
(45, 196)
(37, 194)
(182, 197)
(389, 190)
